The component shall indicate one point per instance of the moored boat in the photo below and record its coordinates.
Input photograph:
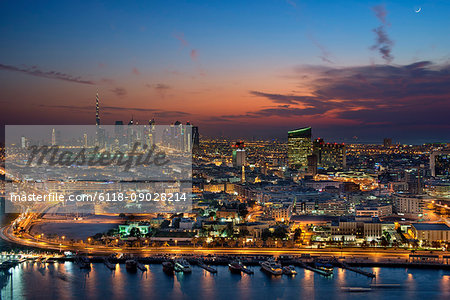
(131, 265)
(181, 265)
(289, 270)
(326, 267)
(168, 267)
(271, 267)
(235, 267)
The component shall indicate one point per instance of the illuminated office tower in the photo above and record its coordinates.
(53, 137)
(239, 154)
(312, 164)
(299, 147)
(330, 155)
(23, 142)
(195, 137)
(151, 132)
(97, 111)
(387, 142)
(440, 163)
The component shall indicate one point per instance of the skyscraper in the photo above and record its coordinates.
(239, 154)
(440, 163)
(53, 137)
(387, 142)
(195, 137)
(97, 111)
(299, 147)
(330, 155)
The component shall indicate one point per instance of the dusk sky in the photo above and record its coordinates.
(235, 68)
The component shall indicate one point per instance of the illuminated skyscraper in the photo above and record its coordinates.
(299, 147)
(53, 137)
(239, 154)
(195, 137)
(440, 163)
(97, 111)
(387, 142)
(330, 155)
(23, 142)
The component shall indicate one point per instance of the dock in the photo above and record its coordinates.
(246, 270)
(109, 265)
(344, 265)
(202, 265)
(321, 272)
(141, 267)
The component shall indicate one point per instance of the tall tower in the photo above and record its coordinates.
(299, 147)
(97, 112)
(53, 137)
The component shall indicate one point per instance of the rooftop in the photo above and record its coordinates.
(431, 226)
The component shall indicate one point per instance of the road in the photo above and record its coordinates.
(374, 254)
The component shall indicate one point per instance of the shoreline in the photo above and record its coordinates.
(221, 256)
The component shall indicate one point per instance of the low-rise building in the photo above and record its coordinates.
(431, 232)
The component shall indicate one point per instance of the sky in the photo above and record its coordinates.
(356, 71)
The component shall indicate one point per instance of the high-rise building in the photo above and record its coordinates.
(23, 142)
(312, 164)
(330, 155)
(440, 163)
(408, 204)
(53, 137)
(195, 137)
(387, 142)
(97, 111)
(239, 154)
(299, 147)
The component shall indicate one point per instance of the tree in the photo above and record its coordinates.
(135, 232)
(297, 234)
(176, 223)
(436, 244)
(280, 233)
(229, 230)
(165, 224)
(265, 234)
(242, 210)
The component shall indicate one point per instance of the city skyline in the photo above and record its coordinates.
(355, 72)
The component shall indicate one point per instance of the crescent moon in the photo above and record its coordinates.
(418, 10)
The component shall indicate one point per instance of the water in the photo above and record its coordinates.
(65, 281)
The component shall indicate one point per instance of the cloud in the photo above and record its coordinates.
(382, 42)
(325, 55)
(135, 71)
(35, 71)
(160, 88)
(194, 54)
(380, 13)
(291, 3)
(119, 91)
(367, 95)
(88, 108)
(181, 39)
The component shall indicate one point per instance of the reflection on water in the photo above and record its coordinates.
(66, 280)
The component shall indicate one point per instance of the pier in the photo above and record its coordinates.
(202, 265)
(321, 272)
(344, 265)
